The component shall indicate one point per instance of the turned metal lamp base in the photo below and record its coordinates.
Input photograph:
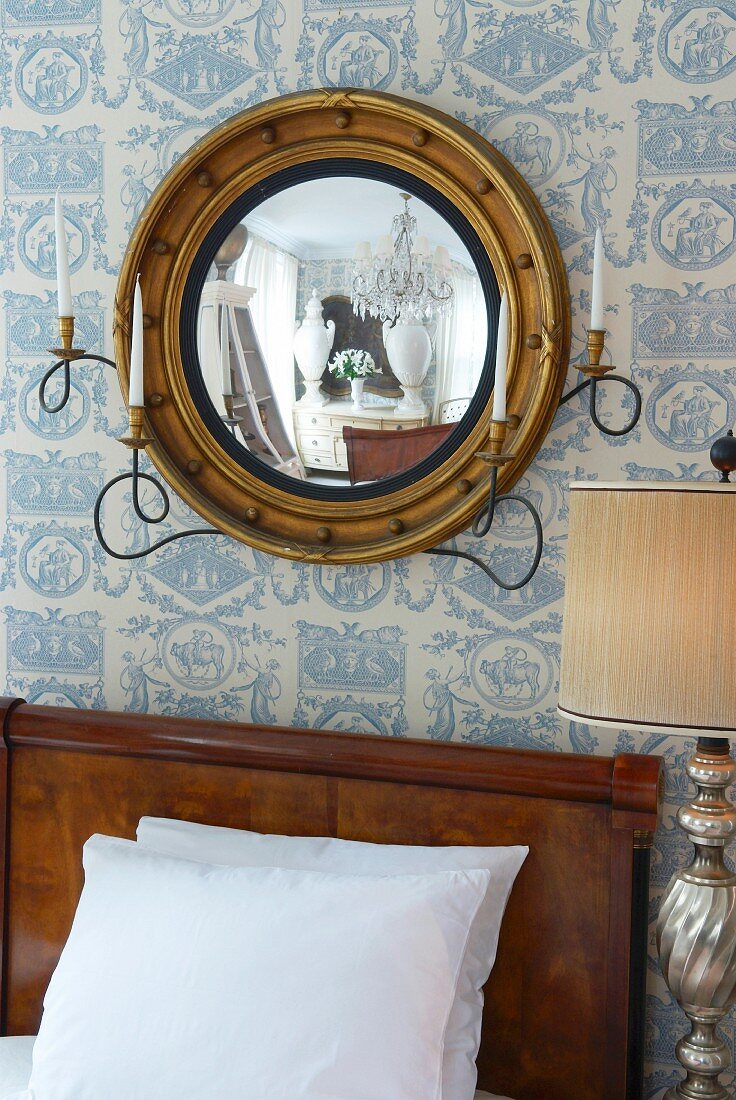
(696, 930)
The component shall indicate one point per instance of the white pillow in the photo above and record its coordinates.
(15, 1064)
(239, 848)
(182, 981)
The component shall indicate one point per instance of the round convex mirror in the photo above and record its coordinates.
(320, 279)
(341, 328)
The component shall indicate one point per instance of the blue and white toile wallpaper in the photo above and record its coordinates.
(617, 113)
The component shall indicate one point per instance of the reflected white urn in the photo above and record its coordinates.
(313, 342)
(409, 350)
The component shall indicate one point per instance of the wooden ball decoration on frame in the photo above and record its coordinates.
(311, 135)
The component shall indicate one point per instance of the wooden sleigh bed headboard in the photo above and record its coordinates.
(565, 1002)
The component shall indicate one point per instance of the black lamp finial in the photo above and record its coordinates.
(723, 455)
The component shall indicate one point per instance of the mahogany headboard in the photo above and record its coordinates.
(564, 1005)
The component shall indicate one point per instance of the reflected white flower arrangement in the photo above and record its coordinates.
(352, 363)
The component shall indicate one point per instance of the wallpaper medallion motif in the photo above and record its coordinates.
(693, 43)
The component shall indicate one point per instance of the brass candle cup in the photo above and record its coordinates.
(66, 350)
(230, 417)
(135, 439)
(495, 455)
(596, 343)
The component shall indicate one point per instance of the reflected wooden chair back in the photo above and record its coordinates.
(373, 454)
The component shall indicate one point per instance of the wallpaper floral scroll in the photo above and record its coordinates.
(617, 113)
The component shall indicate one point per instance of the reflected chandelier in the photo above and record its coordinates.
(402, 281)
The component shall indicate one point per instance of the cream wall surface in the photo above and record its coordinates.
(619, 116)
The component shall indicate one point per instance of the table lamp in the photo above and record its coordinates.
(650, 611)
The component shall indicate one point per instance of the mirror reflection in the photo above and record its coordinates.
(342, 330)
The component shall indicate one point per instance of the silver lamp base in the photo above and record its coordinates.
(696, 929)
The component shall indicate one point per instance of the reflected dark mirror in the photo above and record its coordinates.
(342, 328)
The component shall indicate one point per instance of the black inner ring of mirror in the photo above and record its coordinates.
(202, 264)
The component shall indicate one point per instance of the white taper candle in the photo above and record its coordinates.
(596, 305)
(227, 379)
(63, 283)
(502, 360)
(135, 393)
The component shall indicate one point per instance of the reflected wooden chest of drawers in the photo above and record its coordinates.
(318, 430)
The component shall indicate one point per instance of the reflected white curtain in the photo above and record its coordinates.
(274, 274)
(460, 344)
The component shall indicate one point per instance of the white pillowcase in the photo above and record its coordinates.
(15, 1069)
(182, 981)
(15, 1064)
(239, 848)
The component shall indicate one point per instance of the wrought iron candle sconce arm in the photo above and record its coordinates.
(65, 363)
(66, 355)
(596, 372)
(487, 510)
(137, 442)
(495, 457)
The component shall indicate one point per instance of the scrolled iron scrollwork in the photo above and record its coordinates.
(136, 476)
(595, 374)
(592, 384)
(135, 440)
(66, 365)
(482, 525)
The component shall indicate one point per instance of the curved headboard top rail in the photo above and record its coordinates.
(628, 782)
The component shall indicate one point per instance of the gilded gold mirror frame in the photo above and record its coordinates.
(514, 231)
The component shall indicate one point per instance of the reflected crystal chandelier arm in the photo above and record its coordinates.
(405, 286)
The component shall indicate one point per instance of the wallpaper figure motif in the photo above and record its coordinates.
(54, 560)
(265, 688)
(34, 13)
(31, 326)
(535, 143)
(696, 322)
(199, 13)
(135, 680)
(439, 700)
(54, 485)
(55, 693)
(54, 641)
(201, 76)
(51, 75)
(690, 407)
(63, 160)
(694, 227)
(357, 55)
(679, 140)
(511, 676)
(199, 573)
(353, 587)
(696, 42)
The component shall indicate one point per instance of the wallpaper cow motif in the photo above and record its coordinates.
(617, 114)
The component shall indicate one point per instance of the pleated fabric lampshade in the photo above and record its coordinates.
(650, 607)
